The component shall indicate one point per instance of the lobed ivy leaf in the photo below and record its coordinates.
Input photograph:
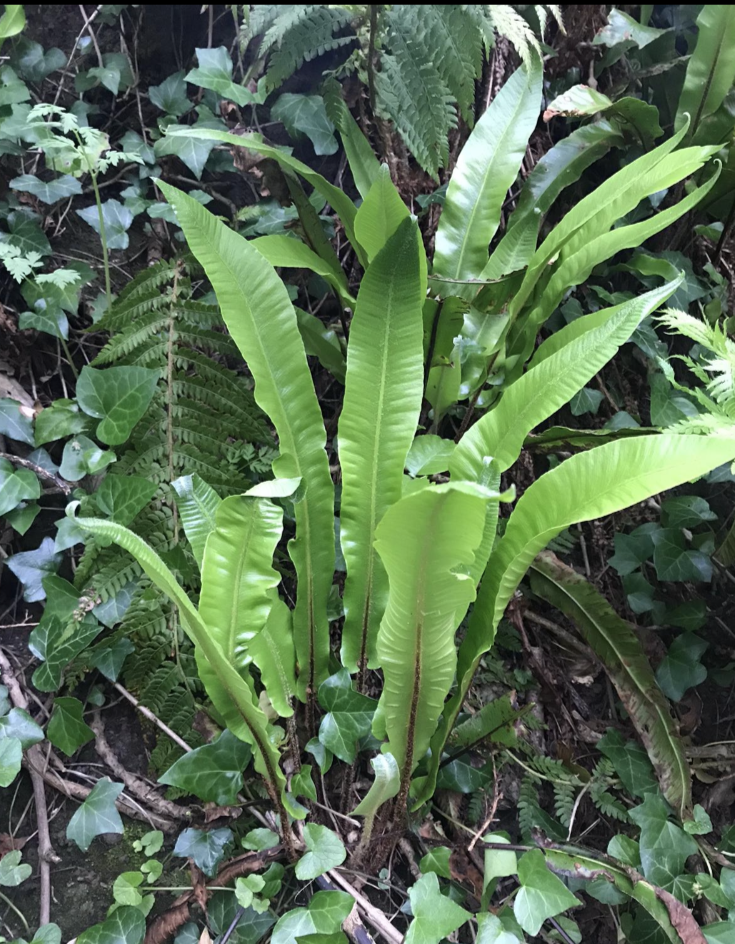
(83, 457)
(435, 916)
(64, 640)
(222, 909)
(17, 724)
(324, 916)
(686, 511)
(491, 930)
(542, 894)
(349, 716)
(212, 772)
(110, 661)
(631, 763)
(631, 550)
(11, 758)
(306, 115)
(191, 151)
(215, 72)
(121, 497)
(681, 669)
(126, 925)
(16, 486)
(259, 839)
(674, 560)
(170, 95)
(67, 729)
(32, 63)
(116, 219)
(50, 191)
(664, 846)
(584, 401)
(12, 873)
(119, 396)
(325, 851)
(51, 319)
(30, 567)
(206, 849)
(97, 815)
(14, 421)
(437, 860)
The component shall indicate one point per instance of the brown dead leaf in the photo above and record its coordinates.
(10, 843)
(681, 918)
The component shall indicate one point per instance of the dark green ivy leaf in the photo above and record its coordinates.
(119, 396)
(349, 717)
(206, 849)
(117, 220)
(14, 423)
(212, 772)
(30, 567)
(170, 95)
(67, 729)
(664, 846)
(681, 669)
(51, 191)
(97, 815)
(126, 925)
(675, 561)
(121, 497)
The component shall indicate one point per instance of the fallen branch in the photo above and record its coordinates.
(59, 485)
(147, 713)
(35, 764)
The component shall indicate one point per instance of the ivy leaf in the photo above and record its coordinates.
(251, 927)
(114, 74)
(437, 860)
(132, 143)
(11, 757)
(631, 763)
(97, 815)
(83, 457)
(121, 497)
(639, 593)
(325, 914)
(434, 915)
(126, 925)
(584, 401)
(701, 824)
(16, 486)
(49, 192)
(117, 220)
(326, 851)
(349, 717)
(170, 95)
(212, 772)
(215, 73)
(664, 846)
(206, 849)
(12, 873)
(259, 839)
(674, 561)
(119, 396)
(542, 894)
(65, 639)
(631, 550)
(110, 661)
(26, 234)
(191, 151)
(47, 318)
(691, 615)
(686, 511)
(30, 567)
(721, 932)
(490, 930)
(681, 669)
(67, 729)
(17, 724)
(306, 115)
(32, 63)
(14, 422)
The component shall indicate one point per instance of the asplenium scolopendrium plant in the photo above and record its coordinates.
(415, 551)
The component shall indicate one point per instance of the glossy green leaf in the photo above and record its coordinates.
(429, 455)
(435, 916)
(65, 639)
(117, 221)
(16, 486)
(12, 873)
(170, 96)
(664, 846)
(262, 322)
(215, 73)
(363, 163)
(12, 21)
(376, 427)
(587, 486)
(494, 721)
(711, 68)
(32, 61)
(192, 151)
(325, 914)
(325, 851)
(287, 252)
(230, 693)
(273, 652)
(82, 457)
(212, 772)
(30, 567)
(561, 366)
(15, 421)
(205, 849)
(49, 192)
(490, 930)
(122, 497)
(577, 102)
(18, 725)
(110, 660)
(485, 170)
(340, 202)
(542, 894)
(97, 815)
(197, 503)
(384, 787)
(437, 860)
(238, 574)
(615, 643)
(118, 396)
(306, 115)
(674, 560)
(67, 729)
(349, 716)
(686, 511)
(62, 418)
(126, 925)
(11, 758)
(425, 541)
(680, 669)
(381, 213)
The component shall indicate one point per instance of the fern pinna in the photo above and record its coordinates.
(202, 420)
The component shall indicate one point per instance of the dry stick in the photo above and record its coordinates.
(59, 484)
(88, 27)
(147, 713)
(46, 854)
(373, 915)
(134, 784)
